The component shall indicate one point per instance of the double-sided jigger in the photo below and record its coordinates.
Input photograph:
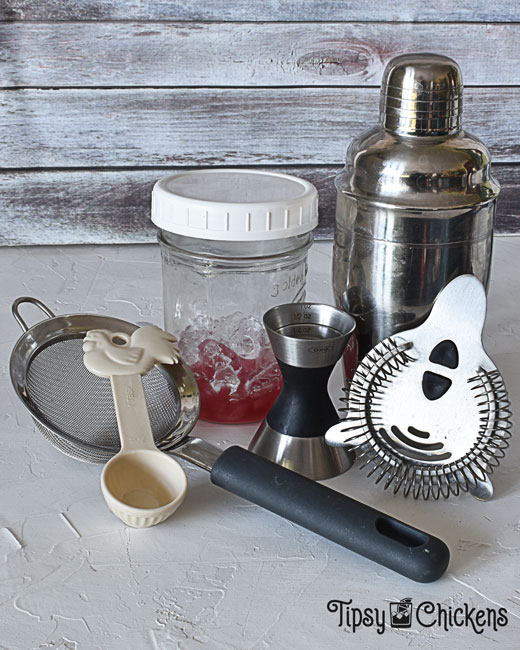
(307, 339)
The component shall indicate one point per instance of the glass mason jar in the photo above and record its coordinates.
(218, 283)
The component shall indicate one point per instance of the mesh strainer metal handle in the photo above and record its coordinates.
(75, 412)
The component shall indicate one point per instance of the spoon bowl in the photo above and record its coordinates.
(143, 487)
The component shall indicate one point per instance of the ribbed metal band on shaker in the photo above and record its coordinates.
(421, 94)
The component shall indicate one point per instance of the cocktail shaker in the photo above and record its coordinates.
(415, 202)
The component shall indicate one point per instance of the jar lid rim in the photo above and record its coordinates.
(234, 204)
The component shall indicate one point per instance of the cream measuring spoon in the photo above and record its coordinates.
(141, 485)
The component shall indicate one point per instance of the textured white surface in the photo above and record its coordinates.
(221, 573)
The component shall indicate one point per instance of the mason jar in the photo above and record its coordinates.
(234, 244)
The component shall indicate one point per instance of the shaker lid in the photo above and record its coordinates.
(234, 204)
(421, 94)
(418, 158)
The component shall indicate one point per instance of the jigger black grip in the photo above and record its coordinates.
(303, 408)
(358, 527)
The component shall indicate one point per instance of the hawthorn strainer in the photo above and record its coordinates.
(428, 410)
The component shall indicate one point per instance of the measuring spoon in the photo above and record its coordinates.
(141, 485)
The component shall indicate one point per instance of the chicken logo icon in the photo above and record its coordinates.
(115, 353)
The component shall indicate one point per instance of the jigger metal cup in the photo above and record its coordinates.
(307, 339)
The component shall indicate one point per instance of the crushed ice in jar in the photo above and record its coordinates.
(235, 368)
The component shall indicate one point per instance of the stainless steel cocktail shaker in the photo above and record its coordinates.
(416, 202)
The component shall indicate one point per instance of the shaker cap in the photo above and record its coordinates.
(234, 204)
(421, 94)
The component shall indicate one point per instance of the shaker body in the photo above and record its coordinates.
(416, 201)
(389, 263)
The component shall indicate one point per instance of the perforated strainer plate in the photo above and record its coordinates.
(427, 408)
(74, 409)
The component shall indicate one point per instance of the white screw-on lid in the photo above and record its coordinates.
(234, 205)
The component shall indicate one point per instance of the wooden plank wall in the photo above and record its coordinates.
(99, 98)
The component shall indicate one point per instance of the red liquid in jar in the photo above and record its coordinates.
(234, 389)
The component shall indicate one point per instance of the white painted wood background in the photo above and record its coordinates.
(99, 98)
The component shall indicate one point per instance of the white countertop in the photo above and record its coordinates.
(222, 573)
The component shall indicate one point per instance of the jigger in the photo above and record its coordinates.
(307, 339)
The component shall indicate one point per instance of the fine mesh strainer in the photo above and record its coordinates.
(75, 411)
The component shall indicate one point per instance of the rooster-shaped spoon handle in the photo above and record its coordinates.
(123, 359)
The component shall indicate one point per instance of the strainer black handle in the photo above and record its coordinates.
(411, 552)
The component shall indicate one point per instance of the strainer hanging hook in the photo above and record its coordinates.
(33, 301)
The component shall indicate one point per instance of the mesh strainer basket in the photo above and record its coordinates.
(72, 408)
